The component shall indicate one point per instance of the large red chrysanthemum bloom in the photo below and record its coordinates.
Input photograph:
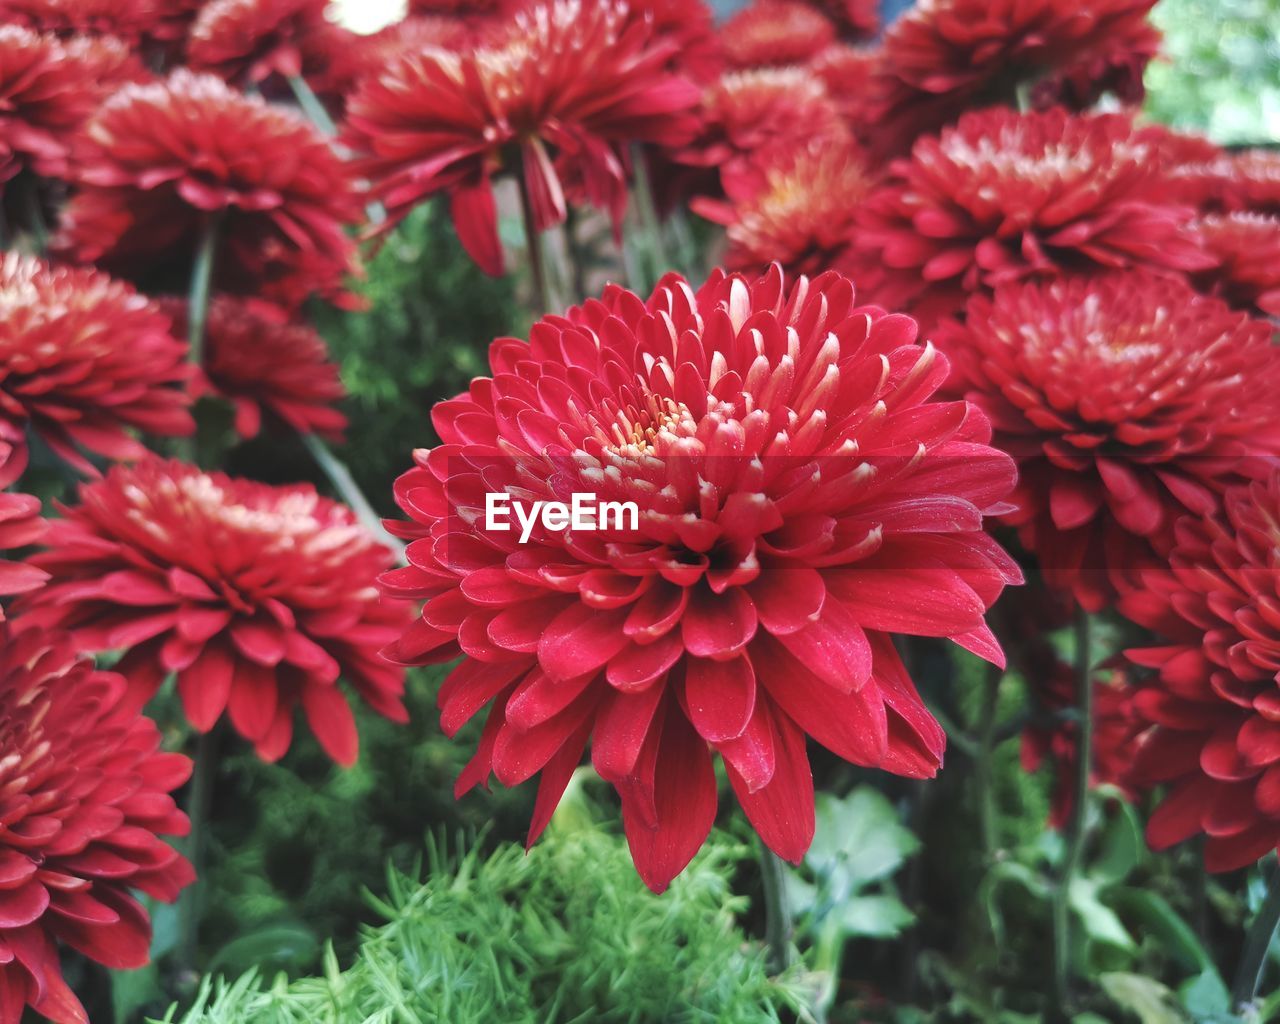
(86, 795)
(260, 598)
(797, 210)
(1247, 247)
(944, 56)
(48, 89)
(247, 41)
(571, 81)
(262, 362)
(775, 33)
(1004, 196)
(160, 162)
(1128, 400)
(1118, 731)
(800, 498)
(1215, 703)
(750, 117)
(84, 358)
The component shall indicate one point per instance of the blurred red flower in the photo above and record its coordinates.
(855, 19)
(800, 500)
(944, 56)
(562, 80)
(260, 598)
(1215, 707)
(161, 162)
(775, 33)
(1117, 733)
(1247, 247)
(247, 41)
(129, 20)
(48, 89)
(84, 358)
(20, 525)
(796, 210)
(86, 800)
(750, 117)
(260, 361)
(847, 72)
(1004, 196)
(1128, 400)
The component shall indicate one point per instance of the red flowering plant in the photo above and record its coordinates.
(775, 33)
(563, 82)
(801, 500)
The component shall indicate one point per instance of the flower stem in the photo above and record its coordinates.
(655, 249)
(777, 913)
(533, 246)
(1253, 960)
(1076, 834)
(199, 802)
(345, 484)
(983, 777)
(311, 105)
(198, 297)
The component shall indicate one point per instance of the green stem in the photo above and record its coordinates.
(1253, 960)
(656, 249)
(345, 484)
(533, 246)
(311, 105)
(198, 297)
(39, 230)
(983, 776)
(199, 803)
(1076, 834)
(777, 913)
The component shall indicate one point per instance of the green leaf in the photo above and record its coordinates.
(875, 917)
(1156, 919)
(1149, 1000)
(1121, 846)
(278, 947)
(132, 990)
(1100, 922)
(1206, 998)
(860, 835)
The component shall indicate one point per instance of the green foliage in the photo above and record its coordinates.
(564, 933)
(1221, 68)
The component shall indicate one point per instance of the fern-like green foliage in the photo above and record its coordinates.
(566, 933)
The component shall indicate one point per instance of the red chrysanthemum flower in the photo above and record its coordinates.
(260, 361)
(690, 26)
(1252, 181)
(564, 80)
(855, 19)
(944, 56)
(348, 58)
(247, 41)
(86, 799)
(1128, 400)
(775, 33)
(1117, 732)
(1247, 247)
(847, 72)
(160, 162)
(797, 210)
(751, 116)
(48, 89)
(1004, 196)
(1216, 703)
(260, 598)
(472, 9)
(126, 19)
(20, 526)
(800, 498)
(82, 359)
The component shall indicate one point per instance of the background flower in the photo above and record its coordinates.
(260, 598)
(86, 801)
(263, 362)
(565, 80)
(801, 500)
(775, 33)
(160, 162)
(251, 40)
(1128, 400)
(82, 359)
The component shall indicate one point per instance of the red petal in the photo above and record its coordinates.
(721, 696)
(781, 811)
